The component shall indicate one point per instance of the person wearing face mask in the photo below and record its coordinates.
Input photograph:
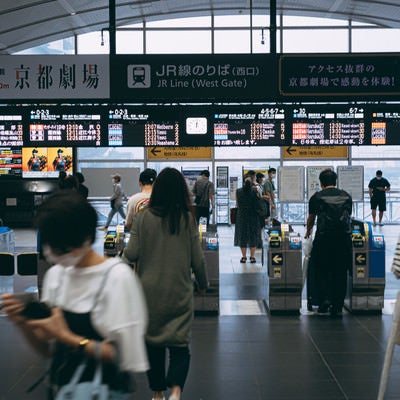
(116, 201)
(97, 305)
(378, 187)
(269, 190)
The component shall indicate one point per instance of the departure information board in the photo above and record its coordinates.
(64, 127)
(11, 130)
(385, 125)
(200, 125)
(325, 126)
(263, 126)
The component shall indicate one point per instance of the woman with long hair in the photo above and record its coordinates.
(165, 245)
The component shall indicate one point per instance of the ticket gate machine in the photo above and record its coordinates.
(209, 303)
(366, 283)
(284, 260)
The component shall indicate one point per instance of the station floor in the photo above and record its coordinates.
(244, 353)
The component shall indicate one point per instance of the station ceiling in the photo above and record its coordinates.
(28, 23)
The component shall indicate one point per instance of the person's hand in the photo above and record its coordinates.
(13, 308)
(54, 327)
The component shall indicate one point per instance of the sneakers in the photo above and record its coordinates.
(174, 397)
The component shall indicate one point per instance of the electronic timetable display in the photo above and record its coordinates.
(64, 127)
(149, 127)
(250, 127)
(385, 125)
(199, 125)
(327, 126)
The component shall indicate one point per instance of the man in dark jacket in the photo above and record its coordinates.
(331, 253)
(203, 191)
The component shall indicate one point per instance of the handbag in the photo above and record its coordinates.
(233, 215)
(92, 390)
(75, 390)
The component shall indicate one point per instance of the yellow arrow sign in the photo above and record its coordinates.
(277, 259)
(360, 259)
(315, 152)
(179, 152)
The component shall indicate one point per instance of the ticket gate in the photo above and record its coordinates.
(209, 303)
(366, 282)
(114, 240)
(284, 260)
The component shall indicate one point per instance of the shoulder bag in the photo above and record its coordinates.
(91, 390)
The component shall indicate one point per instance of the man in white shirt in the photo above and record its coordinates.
(141, 199)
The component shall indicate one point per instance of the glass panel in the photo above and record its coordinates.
(90, 43)
(64, 46)
(377, 40)
(246, 153)
(315, 41)
(163, 42)
(232, 20)
(112, 153)
(138, 25)
(262, 20)
(380, 152)
(232, 41)
(311, 21)
(390, 169)
(191, 22)
(129, 42)
(261, 41)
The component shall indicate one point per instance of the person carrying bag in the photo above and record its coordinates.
(97, 313)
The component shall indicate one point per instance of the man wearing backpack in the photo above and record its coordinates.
(331, 253)
(203, 191)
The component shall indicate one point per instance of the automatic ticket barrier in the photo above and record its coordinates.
(366, 283)
(209, 303)
(114, 240)
(284, 260)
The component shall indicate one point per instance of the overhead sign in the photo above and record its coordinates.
(54, 77)
(179, 153)
(339, 74)
(194, 77)
(315, 152)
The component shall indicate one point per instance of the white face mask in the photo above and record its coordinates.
(70, 259)
(273, 176)
(379, 178)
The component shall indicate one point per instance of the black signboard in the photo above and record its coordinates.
(349, 75)
(193, 77)
(63, 126)
(328, 125)
(250, 126)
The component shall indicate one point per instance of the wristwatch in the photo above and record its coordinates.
(82, 344)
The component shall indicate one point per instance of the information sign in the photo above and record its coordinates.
(351, 179)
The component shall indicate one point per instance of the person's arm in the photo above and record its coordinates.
(198, 263)
(131, 251)
(310, 225)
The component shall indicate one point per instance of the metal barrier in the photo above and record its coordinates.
(283, 251)
(366, 283)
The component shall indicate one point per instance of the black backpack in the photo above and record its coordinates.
(334, 214)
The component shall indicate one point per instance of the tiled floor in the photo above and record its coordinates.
(245, 353)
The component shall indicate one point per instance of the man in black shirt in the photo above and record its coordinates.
(378, 187)
(331, 252)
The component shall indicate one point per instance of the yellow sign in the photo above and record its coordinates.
(179, 152)
(315, 152)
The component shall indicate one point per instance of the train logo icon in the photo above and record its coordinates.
(139, 76)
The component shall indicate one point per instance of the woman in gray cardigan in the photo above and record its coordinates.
(165, 244)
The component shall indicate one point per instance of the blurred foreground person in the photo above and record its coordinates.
(96, 304)
(165, 244)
